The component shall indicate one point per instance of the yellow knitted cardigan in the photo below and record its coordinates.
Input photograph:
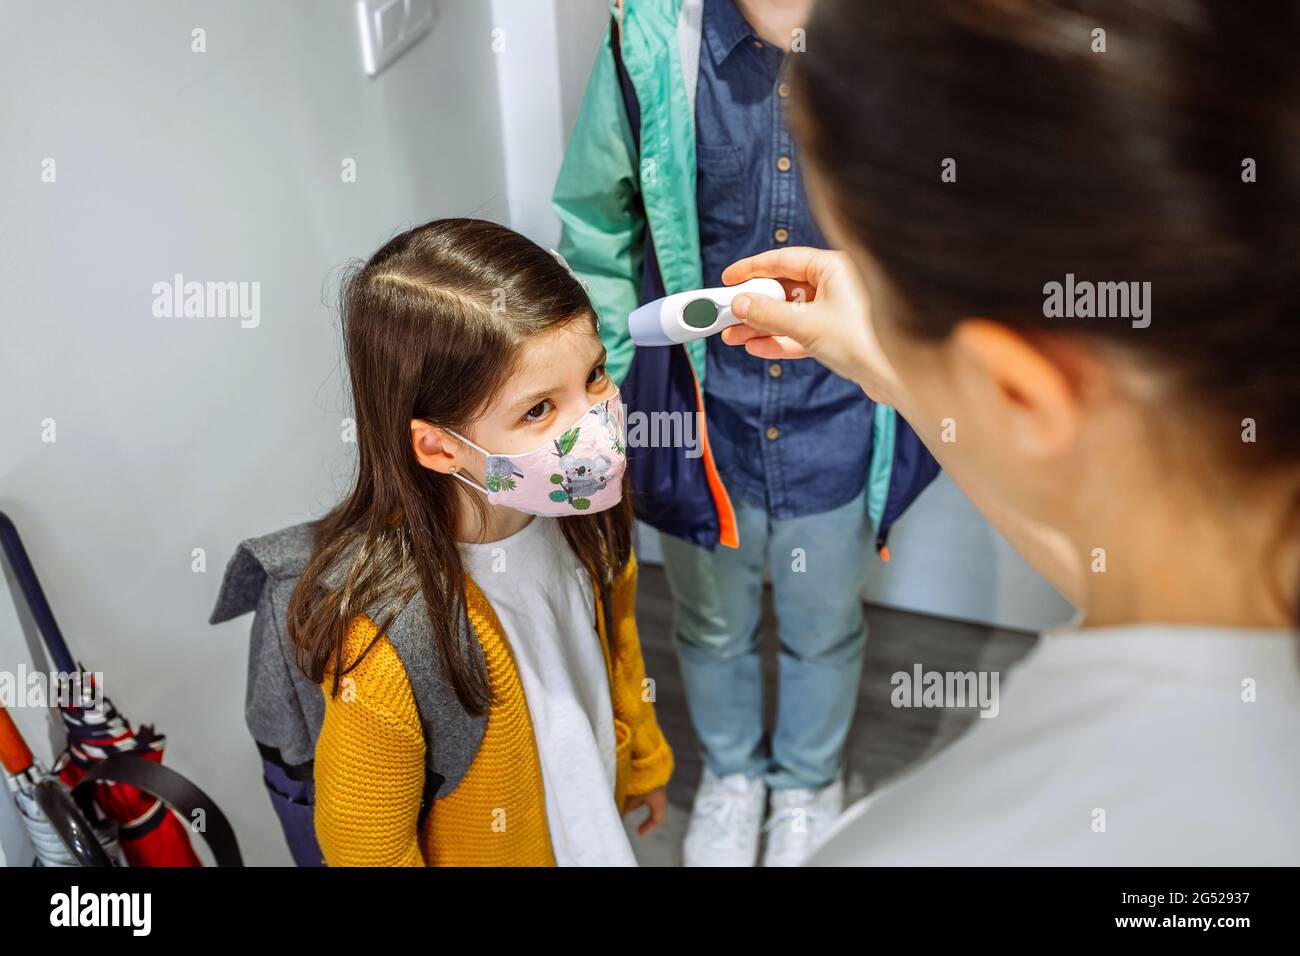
(370, 755)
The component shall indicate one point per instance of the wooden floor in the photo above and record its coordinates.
(883, 741)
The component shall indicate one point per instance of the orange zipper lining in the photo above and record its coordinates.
(728, 534)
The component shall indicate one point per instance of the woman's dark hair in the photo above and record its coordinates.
(432, 325)
(1173, 157)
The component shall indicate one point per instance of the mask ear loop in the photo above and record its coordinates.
(455, 471)
(473, 484)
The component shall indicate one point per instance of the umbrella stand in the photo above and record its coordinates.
(150, 834)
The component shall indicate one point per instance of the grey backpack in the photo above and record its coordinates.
(284, 709)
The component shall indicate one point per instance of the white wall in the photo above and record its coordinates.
(176, 434)
(547, 48)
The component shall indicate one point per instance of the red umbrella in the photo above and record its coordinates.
(150, 834)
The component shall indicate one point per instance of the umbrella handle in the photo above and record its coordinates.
(173, 789)
(70, 823)
(34, 595)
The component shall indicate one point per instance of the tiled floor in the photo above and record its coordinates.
(883, 740)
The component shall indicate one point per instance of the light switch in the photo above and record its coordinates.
(389, 28)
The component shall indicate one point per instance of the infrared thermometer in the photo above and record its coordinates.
(687, 316)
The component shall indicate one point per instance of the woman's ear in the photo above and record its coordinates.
(1026, 389)
(430, 444)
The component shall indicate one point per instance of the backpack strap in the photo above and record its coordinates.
(451, 736)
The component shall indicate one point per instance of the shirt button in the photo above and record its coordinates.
(783, 90)
(774, 370)
(758, 44)
(781, 235)
(773, 433)
(783, 164)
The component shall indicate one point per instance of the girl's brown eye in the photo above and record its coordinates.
(538, 411)
(596, 375)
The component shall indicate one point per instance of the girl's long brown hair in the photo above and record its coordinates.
(431, 328)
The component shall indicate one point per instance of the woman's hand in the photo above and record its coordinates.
(830, 319)
(656, 800)
(827, 316)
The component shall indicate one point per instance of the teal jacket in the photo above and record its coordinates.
(609, 191)
(629, 226)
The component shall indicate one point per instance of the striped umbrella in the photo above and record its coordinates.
(150, 833)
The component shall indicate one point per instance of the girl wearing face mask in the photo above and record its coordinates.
(489, 499)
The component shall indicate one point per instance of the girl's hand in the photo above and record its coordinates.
(827, 317)
(656, 800)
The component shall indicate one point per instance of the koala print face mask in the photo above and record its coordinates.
(581, 470)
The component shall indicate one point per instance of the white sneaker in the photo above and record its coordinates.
(798, 820)
(726, 821)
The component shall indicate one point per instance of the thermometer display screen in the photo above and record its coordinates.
(700, 313)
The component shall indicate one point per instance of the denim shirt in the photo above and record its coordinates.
(790, 436)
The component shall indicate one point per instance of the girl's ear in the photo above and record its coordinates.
(1023, 388)
(430, 444)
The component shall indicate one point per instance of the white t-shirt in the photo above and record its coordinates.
(543, 597)
(1181, 741)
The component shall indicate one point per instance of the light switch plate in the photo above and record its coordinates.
(389, 28)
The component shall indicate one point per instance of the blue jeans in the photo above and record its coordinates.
(818, 565)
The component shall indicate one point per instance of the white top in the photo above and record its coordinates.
(543, 596)
(1180, 741)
